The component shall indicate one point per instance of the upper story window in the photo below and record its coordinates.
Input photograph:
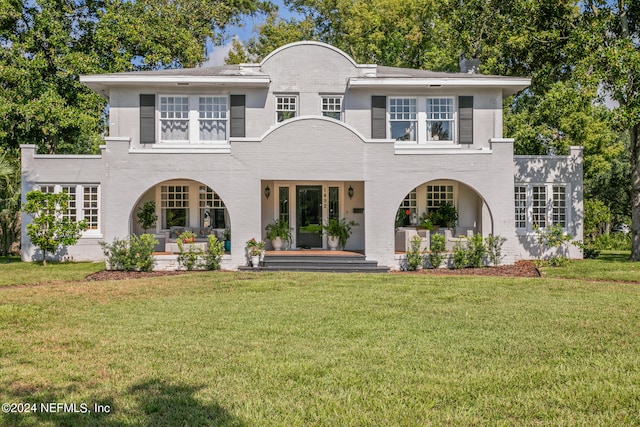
(440, 119)
(403, 119)
(286, 107)
(212, 117)
(332, 107)
(193, 119)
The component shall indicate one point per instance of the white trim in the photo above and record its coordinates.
(151, 79)
(411, 82)
(312, 43)
(549, 205)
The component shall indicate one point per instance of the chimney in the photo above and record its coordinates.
(469, 66)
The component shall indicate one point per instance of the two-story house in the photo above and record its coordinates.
(307, 135)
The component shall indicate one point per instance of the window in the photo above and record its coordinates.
(286, 107)
(193, 119)
(540, 206)
(439, 195)
(212, 208)
(559, 206)
(90, 206)
(332, 107)
(403, 119)
(410, 202)
(174, 203)
(334, 203)
(83, 204)
(283, 203)
(440, 119)
(521, 206)
(174, 118)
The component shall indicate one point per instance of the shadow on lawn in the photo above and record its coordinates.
(152, 403)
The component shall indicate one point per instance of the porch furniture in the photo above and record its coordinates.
(202, 235)
(404, 235)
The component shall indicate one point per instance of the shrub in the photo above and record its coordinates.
(494, 248)
(460, 255)
(415, 255)
(134, 254)
(213, 254)
(612, 242)
(437, 248)
(189, 255)
(476, 251)
(553, 237)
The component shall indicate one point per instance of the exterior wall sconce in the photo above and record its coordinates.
(267, 192)
(350, 192)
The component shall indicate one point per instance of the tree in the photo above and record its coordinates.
(610, 35)
(9, 201)
(51, 228)
(46, 44)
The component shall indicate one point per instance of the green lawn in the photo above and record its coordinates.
(609, 266)
(323, 349)
(14, 272)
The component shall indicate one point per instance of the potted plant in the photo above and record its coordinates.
(338, 231)
(255, 249)
(445, 216)
(187, 237)
(277, 232)
(227, 239)
(147, 217)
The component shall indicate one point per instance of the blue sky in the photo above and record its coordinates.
(244, 32)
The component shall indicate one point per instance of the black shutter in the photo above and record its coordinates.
(237, 123)
(465, 119)
(147, 119)
(379, 117)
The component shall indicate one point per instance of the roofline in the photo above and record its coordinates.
(508, 85)
(146, 78)
(315, 43)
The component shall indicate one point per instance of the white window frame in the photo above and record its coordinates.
(79, 208)
(520, 206)
(209, 201)
(331, 105)
(403, 109)
(436, 116)
(286, 100)
(454, 193)
(167, 115)
(175, 202)
(195, 117)
(549, 205)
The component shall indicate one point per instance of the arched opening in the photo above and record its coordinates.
(444, 206)
(182, 205)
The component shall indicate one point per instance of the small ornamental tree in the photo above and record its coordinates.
(147, 217)
(50, 228)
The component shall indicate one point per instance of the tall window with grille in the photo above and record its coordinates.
(539, 206)
(174, 118)
(403, 119)
(439, 195)
(174, 204)
(212, 208)
(90, 206)
(521, 206)
(559, 206)
(72, 204)
(283, 203)
(286, 107)
(212, 118)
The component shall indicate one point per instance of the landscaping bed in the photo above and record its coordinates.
(519, 269)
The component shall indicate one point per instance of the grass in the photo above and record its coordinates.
(14, 272)
(609, 266)
(324, 349)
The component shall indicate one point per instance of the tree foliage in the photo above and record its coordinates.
(9, 201)
(50, 228)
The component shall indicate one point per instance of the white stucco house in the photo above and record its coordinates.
(306, 135)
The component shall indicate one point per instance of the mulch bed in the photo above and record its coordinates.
(519, 269)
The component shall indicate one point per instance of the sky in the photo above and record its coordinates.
(244, 32)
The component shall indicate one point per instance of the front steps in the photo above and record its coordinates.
(318, 261)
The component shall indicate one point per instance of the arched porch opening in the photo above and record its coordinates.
(444, 206)
(180, 205)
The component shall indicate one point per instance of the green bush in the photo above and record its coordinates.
(213, 254)
(189, 255)
(494, 248)
(415, 256)
(134, 254)
(612, 242)
(476, 251)
(437, 248)
(460, 255)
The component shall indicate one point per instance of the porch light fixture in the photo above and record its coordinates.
(350, 192)
(267, 192)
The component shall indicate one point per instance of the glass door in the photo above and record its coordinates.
(309, 216)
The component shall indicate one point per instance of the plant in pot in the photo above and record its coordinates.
(146, 215)
(278, 232)
(255, 249)
(187, 237)
(227, 239)
(338, 231)
(445, 216)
